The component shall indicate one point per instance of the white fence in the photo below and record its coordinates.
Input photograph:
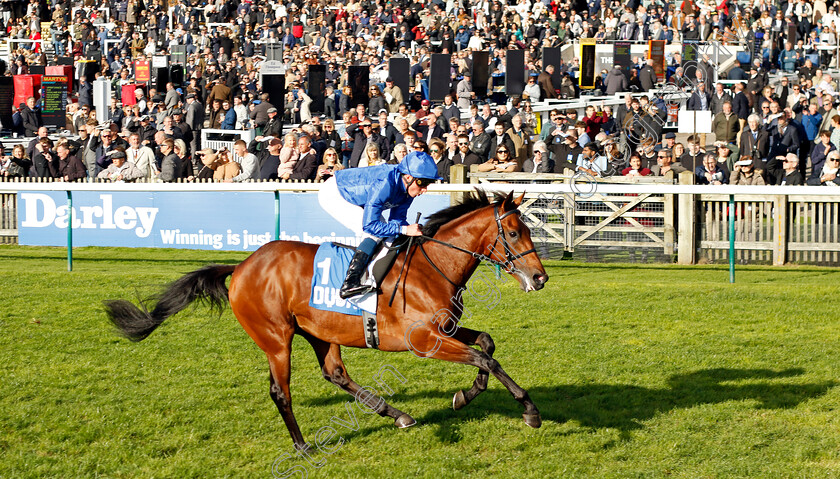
(686, 223)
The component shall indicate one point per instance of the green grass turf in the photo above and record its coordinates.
(639, 371)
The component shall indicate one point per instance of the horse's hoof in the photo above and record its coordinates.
(459, 400)
(405, 421)
(532, 420)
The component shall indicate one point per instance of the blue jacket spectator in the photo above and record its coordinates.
(462, 37)
(811, 122)
(787, 59)
(229, 123)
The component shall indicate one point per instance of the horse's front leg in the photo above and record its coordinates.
(483, 340)
(431, 343)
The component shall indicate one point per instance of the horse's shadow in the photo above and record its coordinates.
(622, 407)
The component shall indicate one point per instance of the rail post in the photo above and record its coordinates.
(686, 236)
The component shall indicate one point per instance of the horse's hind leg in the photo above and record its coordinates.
(334, 371)
(279, 363)
(472, 337)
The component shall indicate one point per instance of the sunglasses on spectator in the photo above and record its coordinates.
(434, 150)
(463, 143)
(501, 151)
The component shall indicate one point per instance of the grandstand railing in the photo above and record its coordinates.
(648, 221)
(220, 139)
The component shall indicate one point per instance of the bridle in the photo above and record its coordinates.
(510, 256)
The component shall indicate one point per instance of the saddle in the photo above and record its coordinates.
(384, 256)
(330, 268)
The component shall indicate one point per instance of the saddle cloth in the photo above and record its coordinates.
(330, 269)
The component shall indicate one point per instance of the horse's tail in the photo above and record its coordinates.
(206, 284)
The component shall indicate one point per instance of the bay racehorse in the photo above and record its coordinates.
(269, 295)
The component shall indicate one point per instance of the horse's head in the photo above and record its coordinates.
(510, 244)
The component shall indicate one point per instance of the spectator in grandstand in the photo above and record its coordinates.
(727, 154)
(821, 150)
(141, 156)
(635, 169)
(827, 175)
(693, 158)
(363, 134)
(370, 157)
(567, 154)
(120, 170)
(501, 162)
(784, 170)
(31, 120)
(540, 162)
(501, 138)
(755, 141)
(288, 155)
(523, 147)
(647, 152)
(17, 165)
(268, 157)
(44, 158)
(711, 172)
(307, 165)
(744, 173)
(180, 149)
(248, 165)
(170, 166)
(329, 165)
(665, 163)
(437, 149)
(465, 156)
(67, 167)
(594, 120)
(547, 87)
(590, 162)
(209, 162)
(616, 82)
(481, 140)
(725, 125)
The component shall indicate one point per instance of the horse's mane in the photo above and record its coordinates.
(478, 199)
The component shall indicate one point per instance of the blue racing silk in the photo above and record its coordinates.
(376, 189)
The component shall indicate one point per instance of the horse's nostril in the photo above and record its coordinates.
(540, 278)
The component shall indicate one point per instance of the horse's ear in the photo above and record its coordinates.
(518, 200)
(507, 204)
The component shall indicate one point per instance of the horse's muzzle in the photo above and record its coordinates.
(540, 280)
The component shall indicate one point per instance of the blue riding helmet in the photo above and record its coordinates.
(419, 165)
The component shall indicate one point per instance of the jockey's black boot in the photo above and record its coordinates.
(352, 283)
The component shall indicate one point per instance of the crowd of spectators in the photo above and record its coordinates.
(783, 131)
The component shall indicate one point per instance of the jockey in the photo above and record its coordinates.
(357, 197)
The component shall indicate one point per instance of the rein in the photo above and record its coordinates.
(507, 265)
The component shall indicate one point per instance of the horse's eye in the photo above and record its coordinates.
(512, 234)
